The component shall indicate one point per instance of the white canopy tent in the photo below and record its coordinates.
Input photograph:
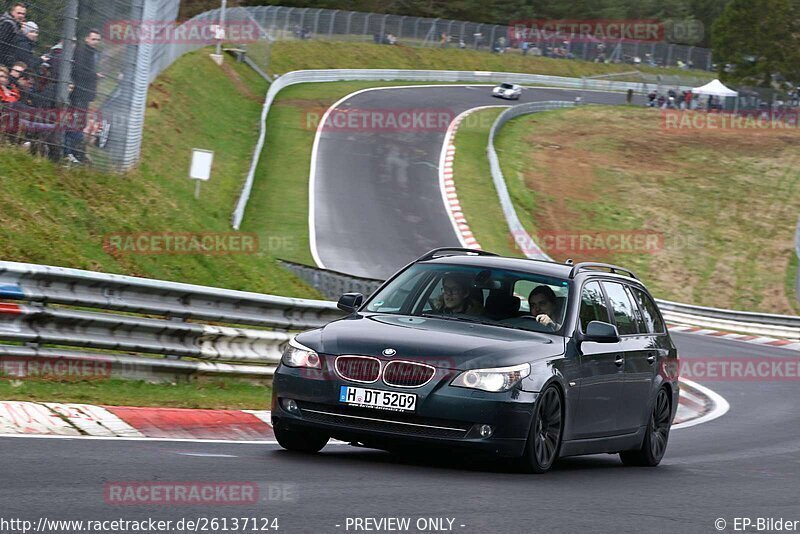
(714, 88)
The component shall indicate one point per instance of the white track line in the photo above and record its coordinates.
(181, 440)
(721, 406)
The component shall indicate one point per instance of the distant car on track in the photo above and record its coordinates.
(443, 353)
(509, 91)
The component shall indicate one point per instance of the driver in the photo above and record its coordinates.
(542, 302)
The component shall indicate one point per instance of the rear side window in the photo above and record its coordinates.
(621, 305)
(652, 319)
(593, 305)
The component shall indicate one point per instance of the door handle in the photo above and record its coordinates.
(651, 358)
(619, 361)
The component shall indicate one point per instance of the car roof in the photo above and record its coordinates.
(546, 268)
(542, 267)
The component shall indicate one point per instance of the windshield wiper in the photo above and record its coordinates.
(451, 318)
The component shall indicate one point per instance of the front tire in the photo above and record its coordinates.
(656, 436)
(544, 438)
(300, 441)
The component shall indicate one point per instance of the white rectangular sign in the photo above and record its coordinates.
(201, 164)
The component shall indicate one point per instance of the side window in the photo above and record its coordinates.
(622, 307)
(650, 313)
(593, 305)
(641, 325)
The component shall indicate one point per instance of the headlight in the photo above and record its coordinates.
(498, 379)
(297, 355)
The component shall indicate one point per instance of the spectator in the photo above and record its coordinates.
(17, 69)
(53, 58)
(10, 26)
(84, 76)
(26, 44)
(525, 46)
(8, 93)
(629, 96)
(26, 90)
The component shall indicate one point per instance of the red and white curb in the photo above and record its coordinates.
(67, 420)
(85, 420)
(447, 184)
(720, 334)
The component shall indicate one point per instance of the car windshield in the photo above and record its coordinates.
(500, 297)
(506, 86)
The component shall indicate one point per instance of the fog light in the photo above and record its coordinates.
(290, 405)
(485, 431)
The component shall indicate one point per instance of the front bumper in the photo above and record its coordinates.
(445, 416)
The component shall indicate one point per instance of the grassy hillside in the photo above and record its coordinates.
(721, 204)
(54, 216)
(287, 56)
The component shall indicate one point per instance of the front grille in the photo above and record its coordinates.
(327, 415)
(358, 368)
(407, 374)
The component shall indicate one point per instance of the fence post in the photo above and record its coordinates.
(349, 19)
(333, 20)
(65, 69)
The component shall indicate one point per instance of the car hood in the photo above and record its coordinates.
(440, 342)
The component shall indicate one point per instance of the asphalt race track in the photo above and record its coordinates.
(377, 203)
(379, 206)
(744, 464)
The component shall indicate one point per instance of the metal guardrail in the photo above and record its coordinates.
(131, 317)
(446, 76)
(142, 328)
(521, 237)
(332, 284)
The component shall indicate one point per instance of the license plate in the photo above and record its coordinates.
(378, 399)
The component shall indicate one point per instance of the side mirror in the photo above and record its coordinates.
(350, 302)
(601, 332)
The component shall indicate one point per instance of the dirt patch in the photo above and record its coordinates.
(240, 85)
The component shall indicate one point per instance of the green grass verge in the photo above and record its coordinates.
(287, 56)
(791, 283)
(216, 393)
(723, 202)
(53, 216)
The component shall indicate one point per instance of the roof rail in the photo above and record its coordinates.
(454, 251)
(593, 265)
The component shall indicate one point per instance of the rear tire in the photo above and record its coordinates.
(544, 438)
(656, 436)
(300, 441)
